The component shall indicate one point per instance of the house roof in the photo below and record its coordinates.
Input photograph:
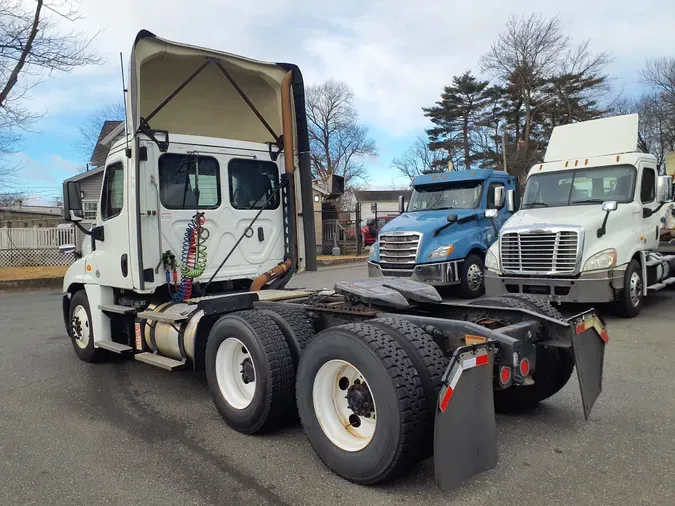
(41, 210)
(381, 195)
(85, 174)
(103, 148)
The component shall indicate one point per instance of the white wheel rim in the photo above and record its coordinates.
(81, 328)
(337, 420)
(234, 366)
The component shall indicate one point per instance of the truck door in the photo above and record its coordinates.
(502, 216)
(110, 261)
(650, 218)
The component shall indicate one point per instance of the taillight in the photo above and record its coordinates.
(524, 367)
(504, 375)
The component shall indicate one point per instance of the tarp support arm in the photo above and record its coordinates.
(243, 95)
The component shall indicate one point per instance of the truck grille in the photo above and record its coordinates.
(540, 252)
(399, 251)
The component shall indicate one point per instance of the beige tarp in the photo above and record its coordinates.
(209, 106)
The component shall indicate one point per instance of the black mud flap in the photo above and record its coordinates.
(465, 434)
(589, 340)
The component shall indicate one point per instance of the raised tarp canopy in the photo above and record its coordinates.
(598, 137)
(209, 105)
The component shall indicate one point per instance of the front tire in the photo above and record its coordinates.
(250, 372)
(361, 403)
(631, 303)
(81, 330)
(471, 282)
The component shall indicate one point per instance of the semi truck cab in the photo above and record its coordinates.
(451, 220)
(589, 222)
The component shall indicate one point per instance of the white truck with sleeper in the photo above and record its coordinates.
(205, 213)
(589, 222)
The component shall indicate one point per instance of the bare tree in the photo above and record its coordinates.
(10, 199)
(525, 55)
(33, 45)
(338, 142)
(418, 159)
(90, 129)
(660, 75)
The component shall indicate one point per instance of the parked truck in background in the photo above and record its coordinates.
(451, 220)
(589, 222)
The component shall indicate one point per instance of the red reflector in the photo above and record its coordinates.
(524, 367)
(446, 398)
(504, 375)
(482, 359)
(604, 335)
(581, 327)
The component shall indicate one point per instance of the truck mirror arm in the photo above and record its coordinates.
(646, 212)
(603, 230)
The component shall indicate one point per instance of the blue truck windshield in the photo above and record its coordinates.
(430, 197)
(578, 187)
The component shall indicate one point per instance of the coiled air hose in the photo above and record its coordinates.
(192, 263)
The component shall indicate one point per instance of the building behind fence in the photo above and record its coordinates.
(33, 247)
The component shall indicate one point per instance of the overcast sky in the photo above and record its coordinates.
(395, 54)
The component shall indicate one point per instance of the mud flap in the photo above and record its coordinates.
(589, 341)
(465, 433)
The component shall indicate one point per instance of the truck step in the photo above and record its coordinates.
(655, 287)
(113, 346)
(166, 363)
(669, 281)
(115, 308)
(161, 317)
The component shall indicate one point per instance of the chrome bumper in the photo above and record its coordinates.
(440, 274)
(590, 287)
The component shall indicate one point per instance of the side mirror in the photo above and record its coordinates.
(664, 189)
(491, 213)
(67, 249)
(609, 206)
(500, 194)
(401, 204)
(511, 201)
(452, 218)
(72, 201)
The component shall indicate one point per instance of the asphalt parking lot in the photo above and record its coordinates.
(126, 433)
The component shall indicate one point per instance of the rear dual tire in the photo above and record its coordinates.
(369, 376)
(250, 372)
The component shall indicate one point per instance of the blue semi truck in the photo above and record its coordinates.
(450, 222)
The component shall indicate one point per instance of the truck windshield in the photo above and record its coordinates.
(430, 197)
(579, 187)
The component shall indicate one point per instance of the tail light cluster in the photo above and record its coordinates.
(506, 373)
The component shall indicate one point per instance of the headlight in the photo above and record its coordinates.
(442, 252)
(372, 254)
(603, 260)
(491, 260)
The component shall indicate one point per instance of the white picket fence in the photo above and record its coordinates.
(30, 247)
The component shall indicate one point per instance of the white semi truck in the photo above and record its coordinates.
(201, 224)
(589, 222)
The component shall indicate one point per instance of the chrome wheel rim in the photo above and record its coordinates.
(474, 277)
(81, 328)
(635, 289)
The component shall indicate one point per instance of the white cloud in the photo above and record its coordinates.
(396, 54)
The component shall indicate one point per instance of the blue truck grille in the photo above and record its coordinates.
(399, 251)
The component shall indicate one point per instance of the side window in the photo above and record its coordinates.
(491, 196)
(251, 184)
(181, 175)
(112, 195)
(648, 186)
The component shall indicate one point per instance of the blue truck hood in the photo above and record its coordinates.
(426, 221)
(463, 235)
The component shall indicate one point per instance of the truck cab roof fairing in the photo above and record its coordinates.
(209, 104)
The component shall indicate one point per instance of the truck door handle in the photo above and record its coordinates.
(124, 265)
(261, 234)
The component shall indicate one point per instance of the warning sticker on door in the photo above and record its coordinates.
(166, 215)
